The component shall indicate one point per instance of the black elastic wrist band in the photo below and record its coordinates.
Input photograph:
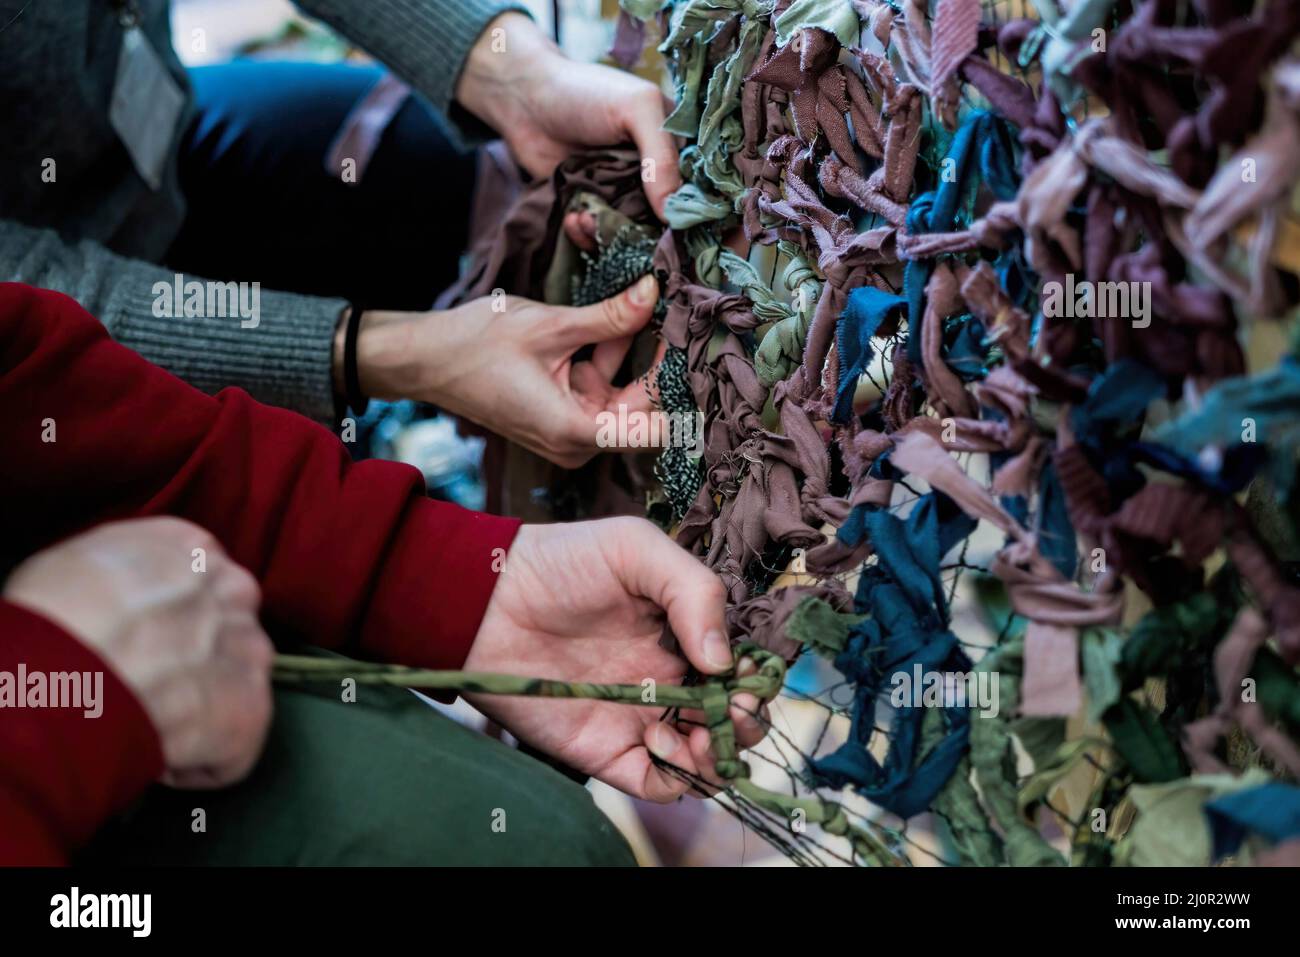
(351, 380)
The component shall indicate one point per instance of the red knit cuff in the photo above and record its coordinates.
(437, 579)
(64, 772)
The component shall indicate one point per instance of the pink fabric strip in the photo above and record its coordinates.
(359, 136)
(1051, 686)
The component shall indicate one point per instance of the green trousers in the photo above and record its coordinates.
(384, 780)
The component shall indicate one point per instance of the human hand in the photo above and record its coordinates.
(586, 601)
(187, 643)
(547, 106)
(507, 364)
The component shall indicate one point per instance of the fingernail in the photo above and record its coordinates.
(663, 742)
(717, 649)
(645, 292)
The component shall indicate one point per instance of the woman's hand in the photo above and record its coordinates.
(587, 601)
(546, 106)
(507, 364)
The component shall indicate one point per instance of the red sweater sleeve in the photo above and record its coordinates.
(349, 555)
(63, 772)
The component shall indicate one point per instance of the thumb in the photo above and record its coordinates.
(692, 596)
(612, 318)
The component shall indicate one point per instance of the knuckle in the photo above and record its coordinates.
(645, 96)
(207, 541)
(237, 770)
(631, 527)
(187, 723)
(196, 697)
(244, 588)
(246, 648)
(638, 525)
(169, 528)
(183, 746)
(254, 718)
(260, 654)
(246, 723)
(612, 314)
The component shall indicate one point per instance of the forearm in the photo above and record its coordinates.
(285, 359)
(425, 42)
(348, 555)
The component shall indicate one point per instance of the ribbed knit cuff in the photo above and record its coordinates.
(425, 42)
(439, 574)
(282, 357)
(62, 772)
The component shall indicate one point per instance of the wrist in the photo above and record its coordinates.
(386, 362)
(509, 58)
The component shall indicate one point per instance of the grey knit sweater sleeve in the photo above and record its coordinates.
(283, 359)
(425, 42)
